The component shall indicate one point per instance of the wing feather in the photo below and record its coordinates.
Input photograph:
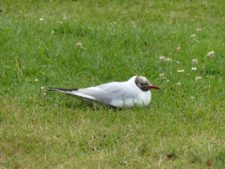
(73, 92)
(107, 93)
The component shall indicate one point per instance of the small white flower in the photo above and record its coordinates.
(79, 45)
(44, 93)
(168, 59)
(161, 75)
(64, 16)
(194, 61)
(180, 71)
(193, 68)
(162, 58)
(52, 31)
(42, 87)
(192, 97)
(41, 19)
(167, 80)
(178, 83)
(210, 54)
(198, 29)
(178, 62)
(114, 23)
(60, 22)
(207, 87)
(198, 78)
(178, 48)
(165, 59)
(36, 80)
(193, 35)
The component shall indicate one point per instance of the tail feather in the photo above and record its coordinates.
(76, 93)
(73, 92)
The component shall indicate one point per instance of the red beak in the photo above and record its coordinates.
(153, 87)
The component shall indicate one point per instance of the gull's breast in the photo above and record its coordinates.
(142, 99)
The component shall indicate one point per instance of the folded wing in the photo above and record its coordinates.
(105, 93)
(73, 92)
(109, 92)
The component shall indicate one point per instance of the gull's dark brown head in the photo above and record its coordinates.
(144, 84)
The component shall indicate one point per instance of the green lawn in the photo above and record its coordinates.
(178, 45)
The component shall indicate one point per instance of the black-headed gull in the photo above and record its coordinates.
(135, 91)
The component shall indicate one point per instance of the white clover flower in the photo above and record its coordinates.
(79, 45)
(42, 87)
(198, 78)
(168, 59)
(52, 31)
(60, 22)
(192, 97)
(178, 83)
(161, 75)
(193, 35)
(198, 29)
(193, 68)
(114, 23)
(64, 16)
(180, 71)
(178, 48)
(194, 61)
(41, 19)
(162, 58)
(36, 80)
(165, 59)
(210, 54)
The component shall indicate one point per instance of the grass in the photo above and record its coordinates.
(84, 43)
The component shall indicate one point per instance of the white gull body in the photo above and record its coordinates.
(116, 94)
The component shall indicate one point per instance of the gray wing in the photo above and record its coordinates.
(105, 93)
(73, 92)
